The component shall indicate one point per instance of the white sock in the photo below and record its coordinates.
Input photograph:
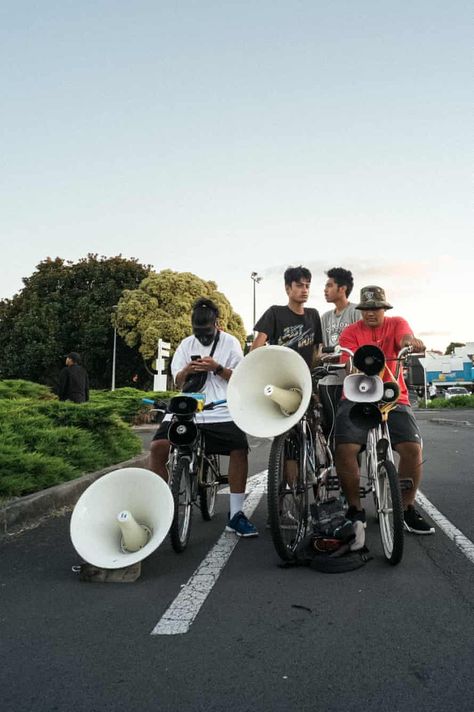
(359, 541)
(236, 503)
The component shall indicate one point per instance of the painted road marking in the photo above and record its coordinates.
(462, 542)
(180, 615)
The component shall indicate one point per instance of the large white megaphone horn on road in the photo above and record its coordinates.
(122, 518)
(269, 391)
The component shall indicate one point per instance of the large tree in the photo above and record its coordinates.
(161, 309)
(66, 306)
(453, 345)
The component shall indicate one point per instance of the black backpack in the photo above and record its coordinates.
(328, 547)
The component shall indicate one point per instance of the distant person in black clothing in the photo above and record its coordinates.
(73, 380)
(292, 325)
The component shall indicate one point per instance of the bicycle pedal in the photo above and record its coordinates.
(332, 483)
(363, 492)
(406, 484)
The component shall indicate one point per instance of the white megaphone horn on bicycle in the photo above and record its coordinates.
(121, 518)
(269, 391)
(363, 389)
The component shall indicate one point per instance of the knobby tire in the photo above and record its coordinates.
(208, 488)
(390, 522)
(181, 490)
(284, 500)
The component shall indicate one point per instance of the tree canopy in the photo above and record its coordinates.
(161, 308)
(453, 345)
(66, 306)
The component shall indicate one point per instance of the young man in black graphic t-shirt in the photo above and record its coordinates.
(298, 328)
(293, 325)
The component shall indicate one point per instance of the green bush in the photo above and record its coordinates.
(456, 402)
(14, 389)
(44, 442)
(23, 472)
(128, 402)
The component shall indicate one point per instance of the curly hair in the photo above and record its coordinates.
(342, 277)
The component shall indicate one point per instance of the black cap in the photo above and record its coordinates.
(205, 311)
(74, 356)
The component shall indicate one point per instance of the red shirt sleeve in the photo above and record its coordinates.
(402, 328)
(348, 340)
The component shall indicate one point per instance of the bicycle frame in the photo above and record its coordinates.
(378, 447)
(193, 475)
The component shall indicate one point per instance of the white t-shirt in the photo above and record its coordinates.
(228, 353)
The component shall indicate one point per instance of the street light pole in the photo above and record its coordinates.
(256, 279)
(114, 352)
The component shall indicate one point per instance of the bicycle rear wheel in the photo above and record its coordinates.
(208, 486)
(287, 495)
(181, 489)
(390, 511)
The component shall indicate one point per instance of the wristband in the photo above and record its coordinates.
(218, 370)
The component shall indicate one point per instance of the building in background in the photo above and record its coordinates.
(455, 369)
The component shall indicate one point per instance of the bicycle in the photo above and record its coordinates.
(381, 473)
(194, 476)
(300, 468)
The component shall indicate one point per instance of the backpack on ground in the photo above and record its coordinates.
(335, 544)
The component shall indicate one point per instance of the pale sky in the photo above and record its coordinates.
(225, 137)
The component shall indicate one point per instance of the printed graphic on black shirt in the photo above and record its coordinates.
(301, 332)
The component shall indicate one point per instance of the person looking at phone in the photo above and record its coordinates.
(204, 362)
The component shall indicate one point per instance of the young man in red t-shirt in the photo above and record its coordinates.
(390, 334)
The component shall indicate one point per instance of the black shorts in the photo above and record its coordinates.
(219, 438)
(402, 426)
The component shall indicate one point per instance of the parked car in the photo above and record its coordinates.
(454, 391)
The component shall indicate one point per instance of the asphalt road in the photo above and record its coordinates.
(266, 638)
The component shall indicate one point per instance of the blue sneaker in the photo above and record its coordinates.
(240, 525)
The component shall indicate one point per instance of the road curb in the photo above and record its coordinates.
(28, 511)
(451, 421)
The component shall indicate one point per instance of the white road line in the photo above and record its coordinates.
(180, 615)
(462, 542)
(226, 488)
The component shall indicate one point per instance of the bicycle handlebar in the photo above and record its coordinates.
(160, 405)
(402, 355)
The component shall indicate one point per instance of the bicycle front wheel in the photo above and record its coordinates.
(390, 511)
(327, 481)
(182, 495)
(208, 486)
(287, 496)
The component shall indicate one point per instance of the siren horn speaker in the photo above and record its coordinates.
(391, 391)
(121, 518)
(365, 415)
(254, 394)
(363, 389)
(183, 405)
(369, 359)
(182, 432)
